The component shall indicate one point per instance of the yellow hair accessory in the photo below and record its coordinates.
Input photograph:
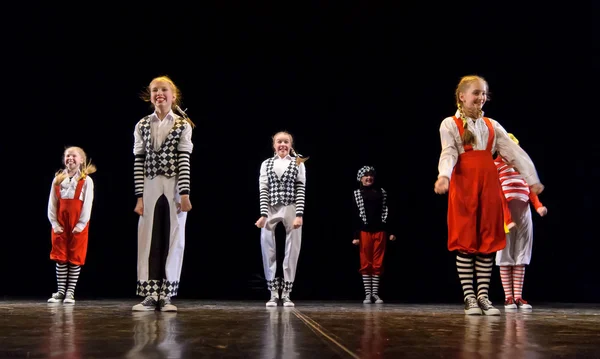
(512, 137)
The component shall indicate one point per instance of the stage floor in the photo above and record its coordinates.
(234, 329)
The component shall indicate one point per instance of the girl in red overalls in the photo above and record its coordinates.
(69, 210)
(475, 209)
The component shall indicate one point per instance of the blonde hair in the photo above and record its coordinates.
(86, 168)
(146, 95)
(468, 137)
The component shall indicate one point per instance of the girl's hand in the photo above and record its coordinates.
(297, 222)
(186, 205)
(542, 211)
(441, 185)
(139, 206)
(261, 222)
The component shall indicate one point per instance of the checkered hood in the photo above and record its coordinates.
(363, 171)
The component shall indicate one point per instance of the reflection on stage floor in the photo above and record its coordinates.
(236, 329)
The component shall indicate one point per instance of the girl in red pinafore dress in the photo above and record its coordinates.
(69, 211)
(475, 200)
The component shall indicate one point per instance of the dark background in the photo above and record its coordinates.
(355, 84)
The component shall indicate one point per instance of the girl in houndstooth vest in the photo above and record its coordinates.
(519, 241)
(69, 211)
(162, 149)
(466, 170)
(371, 231)
(282, 184)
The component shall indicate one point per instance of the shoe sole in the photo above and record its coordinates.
(145, 309)
(491, 312)
(473, 311)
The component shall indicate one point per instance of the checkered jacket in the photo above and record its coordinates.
(285, 190)
(361, 206)
(164, 161)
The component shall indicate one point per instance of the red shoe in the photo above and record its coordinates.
(509, 303)
(522, 304)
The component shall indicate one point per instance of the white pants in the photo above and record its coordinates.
(519, 242)
(153, 190)
(293, 240)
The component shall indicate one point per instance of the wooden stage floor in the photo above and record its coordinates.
(247, 329)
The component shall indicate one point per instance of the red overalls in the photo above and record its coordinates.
(69, 247)
(475, 210)
(372, 250)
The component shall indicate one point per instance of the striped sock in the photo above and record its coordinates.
(506, 275)
(483, 268)
(464, 266)
(74, 271)
(518, 280)
(61, 277)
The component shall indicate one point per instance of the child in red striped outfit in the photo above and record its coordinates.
(517, 253)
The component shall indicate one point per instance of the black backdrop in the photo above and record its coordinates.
(355, 84)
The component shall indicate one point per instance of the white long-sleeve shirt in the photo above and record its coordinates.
(279, 166)
(159, 131)
(452, 147)
(67, 191)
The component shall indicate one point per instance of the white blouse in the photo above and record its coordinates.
(452, 147)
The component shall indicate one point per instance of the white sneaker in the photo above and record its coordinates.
(287, 302)
(273, 301)
(377, 299)
(367, 299)
(471, 306)
(69, 298)
(486, 306)
(165, 305)
(149, 303)
(56, 298)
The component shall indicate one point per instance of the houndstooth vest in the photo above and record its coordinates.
(361, 206)
(164, 161)
(281, 190)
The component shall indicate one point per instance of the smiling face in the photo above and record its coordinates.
(162, 94)
(282, 144)
(73, 159)
(368, 179)
(472, 94)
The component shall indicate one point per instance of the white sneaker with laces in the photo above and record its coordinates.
(165, 305)
(471, 306)
(287, 302)
(56, 297)
(69, 298)
(486, 306)
(149, 303)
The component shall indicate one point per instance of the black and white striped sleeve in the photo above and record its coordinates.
(184, 152)
(138, 162)
(183, 179)
(300, 190)
(263, 188)
(138, 175)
